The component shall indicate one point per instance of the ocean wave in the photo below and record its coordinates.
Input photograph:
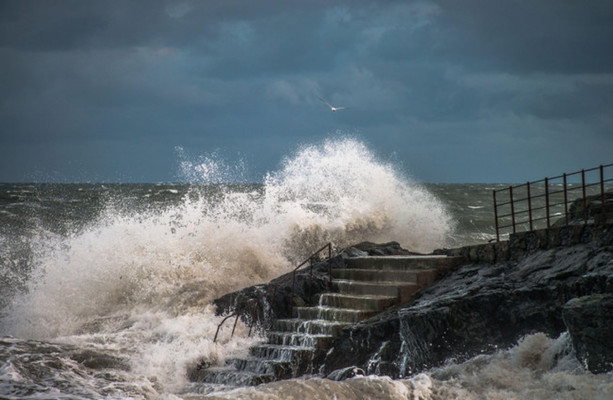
(142, 280)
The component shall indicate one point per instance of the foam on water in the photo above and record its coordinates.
(140, 282)
(537, 368)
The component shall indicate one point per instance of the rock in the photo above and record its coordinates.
(477, 309)
(354, 252)
(384, 249)
(590, 323)
(97, 360)
(578, 213)
(345, 373)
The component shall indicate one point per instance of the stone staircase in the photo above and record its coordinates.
(294, 347)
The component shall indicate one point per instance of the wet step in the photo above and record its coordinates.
(311, 327)
(230, 376)
(300, 339)
(332, 314)
(437, 262)
(360, 302)
(282, 353)
(421, 277)
(260, 366)
(403, 291)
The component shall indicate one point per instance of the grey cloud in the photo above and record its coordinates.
(528, 36)
(422, 78)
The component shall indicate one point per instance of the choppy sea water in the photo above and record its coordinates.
(107, 288)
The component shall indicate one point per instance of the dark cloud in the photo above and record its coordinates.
(459, 91)
(529, 36)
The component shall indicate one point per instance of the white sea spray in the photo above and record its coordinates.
(138, 283)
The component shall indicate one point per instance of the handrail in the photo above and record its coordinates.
(524, 205)
(273, 288)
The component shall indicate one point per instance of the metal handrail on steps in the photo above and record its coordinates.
(273, 289)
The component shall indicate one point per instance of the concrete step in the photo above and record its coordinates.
(403, 291)
(331, 314)
(422, 277)
(300, 339)
(311, 327)
(260, 366)
(228, 375)
(282, 353)
(357, 302)
(375, 275)
(437, 262)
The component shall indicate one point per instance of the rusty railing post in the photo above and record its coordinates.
(529, 205)
(565, 199)
(217, 331)
(512, 207)
(584, 196)
(234, 327)
(602, 197)
(547, 202)
(496, 216)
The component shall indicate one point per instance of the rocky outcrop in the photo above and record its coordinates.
(384, 249)
(479, 308)
(591, 209)
(509, 290)
(590, 323)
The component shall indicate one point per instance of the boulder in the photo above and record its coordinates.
(590, 323)
(383, 249)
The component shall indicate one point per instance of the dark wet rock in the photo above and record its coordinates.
(590, 323)
(354, 252)
(477, 309)
(345, 373)
(196, 372)
(383, 249)
(96, 360)
(591, 210)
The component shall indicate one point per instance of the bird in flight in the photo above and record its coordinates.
(331, 107)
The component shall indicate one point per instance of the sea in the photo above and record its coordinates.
(106, 289)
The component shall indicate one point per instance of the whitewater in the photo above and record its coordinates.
(107, 290)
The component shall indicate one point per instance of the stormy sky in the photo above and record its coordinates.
(450, 91)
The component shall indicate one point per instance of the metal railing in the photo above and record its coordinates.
(254, 302)
(530, 205)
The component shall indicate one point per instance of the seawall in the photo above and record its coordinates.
(522, 243)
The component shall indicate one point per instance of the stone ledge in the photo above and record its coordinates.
(523, 243)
